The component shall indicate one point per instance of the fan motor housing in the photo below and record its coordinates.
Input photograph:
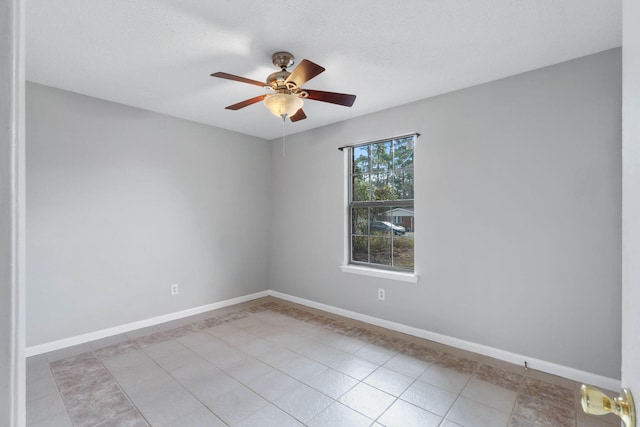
(278, 76)
(282, 60)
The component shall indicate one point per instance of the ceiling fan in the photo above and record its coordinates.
(286, 99)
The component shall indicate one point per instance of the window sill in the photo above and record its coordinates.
(383, 274)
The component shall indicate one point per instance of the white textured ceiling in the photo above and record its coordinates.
(158, 54)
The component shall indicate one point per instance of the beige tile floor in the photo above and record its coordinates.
(273, 363)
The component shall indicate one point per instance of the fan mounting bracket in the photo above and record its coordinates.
(282, 60)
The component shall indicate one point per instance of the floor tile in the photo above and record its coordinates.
(257, 347)
(178, 359)
(201, 417)
(46, 407)
(473, 414)
(323, 353)
(539, 414)
(36, 365)
(273, 385)
(375, 354)
(165, 348)
(247, 370)
(303, 368)
(225, 358)
(41, 388)
(109, 352)
(367, 400)
(212, 346)
(236, 405)
(457, 363)
(389, 381)
(403, 414)
(125, 360)
(445, 378)
(92, 409)
(270, 416)
(303, 403)
(355, 367)
(154, 338)
(132, 418)
(181, 331)
(406, 365)
(500, 377)
(194, 372)
(338, 415)
(550, 379)
(152, 389)
(57, 420)
(546, 403)
(609, 420)
(168, 407)
(332, 383)
(429, 397)
(278, 357)
(211, 387)
(135, 375)
(499, 398)
(346, 344)
(236, 338)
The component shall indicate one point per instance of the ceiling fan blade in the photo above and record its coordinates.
(300, 115)
(332, 97)
(246, 103)
(304, 72)
(238, 79)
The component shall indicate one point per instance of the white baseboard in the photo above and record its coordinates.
(91, 336)
(518, 359)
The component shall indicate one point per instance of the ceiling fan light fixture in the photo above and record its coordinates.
(282, 104)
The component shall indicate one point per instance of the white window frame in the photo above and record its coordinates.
(368, 268)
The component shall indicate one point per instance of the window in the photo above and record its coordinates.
(381, 215)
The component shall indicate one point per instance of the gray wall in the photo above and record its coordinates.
(122, 202)
(518, 210)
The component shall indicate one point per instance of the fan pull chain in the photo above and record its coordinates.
(284, 117)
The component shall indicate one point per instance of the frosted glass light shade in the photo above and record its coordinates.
(283, 104)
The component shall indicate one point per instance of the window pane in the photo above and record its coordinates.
(360, 221)
(382, 187)
(361, 188)
(361, 159)
(381, 160)
(403, 251)
(381, 222)
(381, 207)
(403, 153)
(360, 248)
(380, 249)
(402, 219)
(403, 184)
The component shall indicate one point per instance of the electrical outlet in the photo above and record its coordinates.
(174, 289)
(381, 294)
